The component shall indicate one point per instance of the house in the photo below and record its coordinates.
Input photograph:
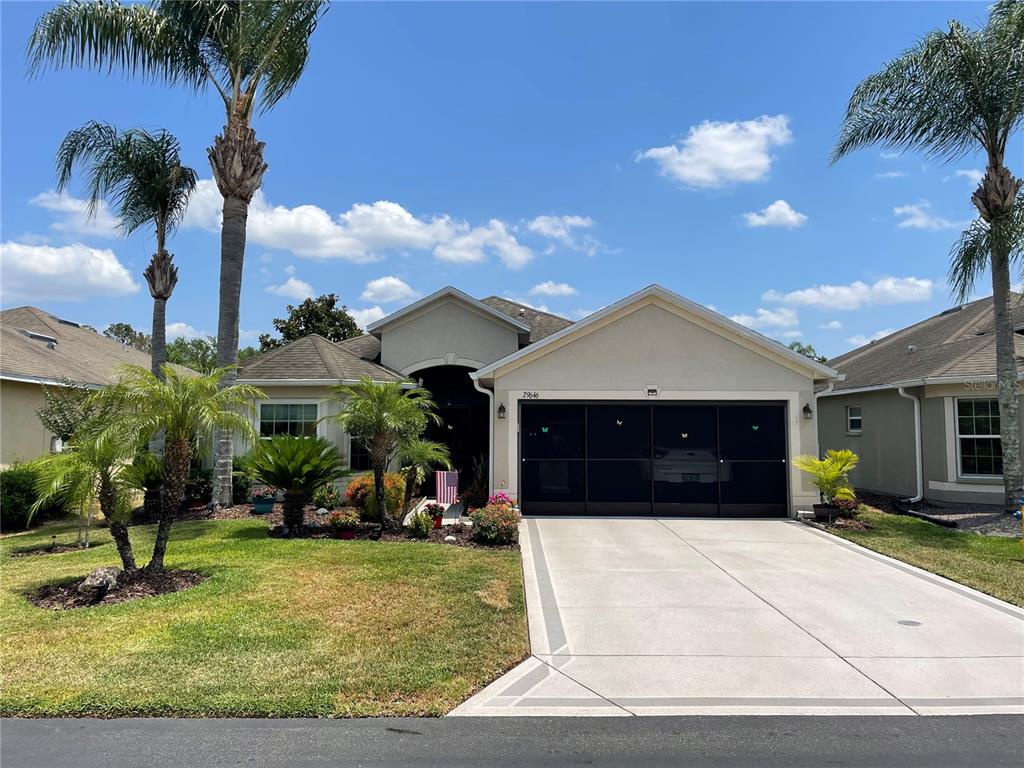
(654, 404)
(919, 407)
(38, 349)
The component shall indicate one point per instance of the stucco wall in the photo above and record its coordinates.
(654, 345)
(447, 332)
(22, 436)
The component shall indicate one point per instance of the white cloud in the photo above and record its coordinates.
(715, 154)
(388, 288)
(778, 214)
(887, 290)
(74, 215)
(796, 333)
(890, 155)
(562, 229)
(973, 175)
(364, 317)
(551, 288)
(68, 273)
(182, 331)
(783, 317)
(919, 216)
(891, 175)
(860, 340)
(292, 288)
(364, 233)
(831, 325)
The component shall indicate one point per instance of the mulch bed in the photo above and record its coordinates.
(986, 520)
(53, 549)
(61, 597)
(850, 524)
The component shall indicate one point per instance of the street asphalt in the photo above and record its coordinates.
(737, 742)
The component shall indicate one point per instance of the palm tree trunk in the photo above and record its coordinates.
(177, 458)
(236, 159)
(293, 509)
(1006, 376)
(159, 348)
(118, 530)
(410, 487)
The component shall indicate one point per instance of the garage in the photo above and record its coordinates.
(702, 459)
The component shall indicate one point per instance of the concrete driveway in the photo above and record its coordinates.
(660, 617)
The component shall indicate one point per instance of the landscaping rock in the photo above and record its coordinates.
(99, 582)
(321, 512)
(450, 539)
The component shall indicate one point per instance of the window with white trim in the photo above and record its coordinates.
(358, 456)
(977, 434)
(297, 419)
(854, 420)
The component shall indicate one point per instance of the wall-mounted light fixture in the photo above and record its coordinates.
(501, 410)
(808, 413)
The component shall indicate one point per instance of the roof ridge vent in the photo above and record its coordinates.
(912, 348)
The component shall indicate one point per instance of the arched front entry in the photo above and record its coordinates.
(463, 410)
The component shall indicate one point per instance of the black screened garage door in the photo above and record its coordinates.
(700, 459)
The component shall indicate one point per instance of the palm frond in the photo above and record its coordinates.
(971, 255)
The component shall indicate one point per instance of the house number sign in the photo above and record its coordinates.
(531, 396)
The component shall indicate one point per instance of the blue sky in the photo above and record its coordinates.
(565, 155)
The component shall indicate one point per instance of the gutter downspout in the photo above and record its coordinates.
(490, 433)
(918, 463)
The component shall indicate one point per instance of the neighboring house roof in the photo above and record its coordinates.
(366, 347)
(448, 292)
(820, 370)
(312, 359)
(542, 324)
(959, 343)
(39, 347)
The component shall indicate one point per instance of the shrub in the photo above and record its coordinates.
(241, 478)
(501, 498)
(495, 524)
(847, 507)
(262, 493)
(434, 509)
(360, 494)
(17, 495)
(326, 496)
(420, 525)
(199, 486)
(475, 493)
(343, 520)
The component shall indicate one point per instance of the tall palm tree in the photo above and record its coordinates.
(141, 174)
(383, 416)
(187, 409)
(417, 457)
(251, 52)
(956, 92)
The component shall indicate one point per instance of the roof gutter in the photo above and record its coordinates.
(490, 432)
(923, 382)
(42, 380)
(918, 462)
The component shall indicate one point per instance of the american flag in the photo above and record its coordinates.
(447, 487)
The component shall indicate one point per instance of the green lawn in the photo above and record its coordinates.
(991, 564)
(281, 628)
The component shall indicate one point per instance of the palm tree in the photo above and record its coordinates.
(251, 52)
(187, 409)
(142, 175)
(93, 468)
(383, 416)
(297, 466)
(958, 91)
(417, 457)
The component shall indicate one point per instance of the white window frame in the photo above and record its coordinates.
(348, 454)
(288, 401)
(956, 436)
(850, 430)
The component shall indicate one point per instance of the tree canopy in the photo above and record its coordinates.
(323, 316)
(126, 334)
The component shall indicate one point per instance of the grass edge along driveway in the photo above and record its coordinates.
(991, 564)
(280, 628)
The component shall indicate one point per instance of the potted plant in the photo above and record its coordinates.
(343, 523)
(263, 499)
(436, 512)
(831, 476)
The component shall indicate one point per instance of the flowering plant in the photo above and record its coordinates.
(434, 509)
(501, 498)
(263, 493)
(343, 520)
(847, 506)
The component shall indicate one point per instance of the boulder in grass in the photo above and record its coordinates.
(99, 582)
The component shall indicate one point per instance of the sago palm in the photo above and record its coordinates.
(250, 52)
(141, 175)
(92, 468)
(383, 416)
(417, 457)
(187, 409)
(956, 92)
(296, 466)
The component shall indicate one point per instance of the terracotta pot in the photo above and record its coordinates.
(825, 511)
(346, 534)
(437, 522)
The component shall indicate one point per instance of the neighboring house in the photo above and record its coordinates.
(38, 349)
(654, 404)
(919, 407)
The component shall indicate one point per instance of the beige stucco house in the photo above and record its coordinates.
(653, 405)
(919, 407)
(37, 350)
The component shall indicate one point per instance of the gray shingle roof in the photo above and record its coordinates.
(958, 342)
(80, 354)
(542, 324)
(366, 346)
(312, 358)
